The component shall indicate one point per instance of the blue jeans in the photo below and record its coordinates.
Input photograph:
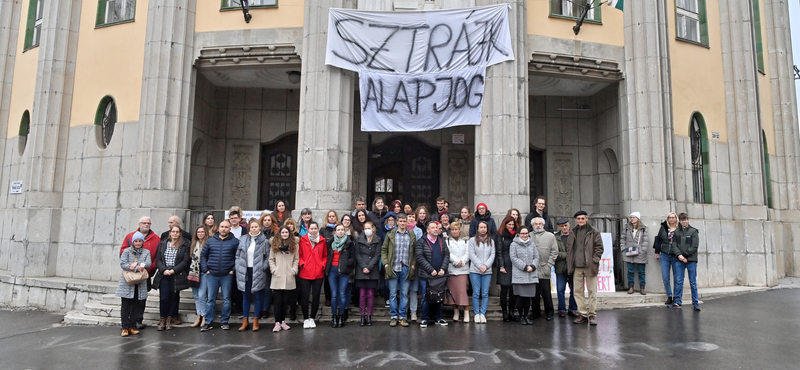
(248, 293)
(680, 269)
(480, 291)
(426, 307)
(667, 262)
(200, 295)
(214, 283)
(399, 284)
(636, 266)
(338, 284)
(266, 293)
(561, 289)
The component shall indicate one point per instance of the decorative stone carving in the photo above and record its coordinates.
(240, 191)
(357, 165)
(458, 177)
(563, 184)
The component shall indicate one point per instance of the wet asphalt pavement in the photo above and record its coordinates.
(750, 331)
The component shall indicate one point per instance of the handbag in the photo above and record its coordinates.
(634, 251)
(135, 277)
(437, 289)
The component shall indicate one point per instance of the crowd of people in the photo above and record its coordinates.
(417, 259)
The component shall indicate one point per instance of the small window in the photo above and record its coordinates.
(767, 174)
(24, 130)
(115, 11)
(234, 4)
(574, 9)
(757, 29)
(701, 179)
(690, 21)
(105, 119)
(33, 29)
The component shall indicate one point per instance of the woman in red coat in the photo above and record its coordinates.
(313, 257)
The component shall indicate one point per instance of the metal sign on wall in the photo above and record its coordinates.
(16, 187)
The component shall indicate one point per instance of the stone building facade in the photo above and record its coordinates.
(640, 111)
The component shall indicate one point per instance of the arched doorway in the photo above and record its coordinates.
(278, 172)
(404, 168)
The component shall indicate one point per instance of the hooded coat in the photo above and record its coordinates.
(473, 225)
(639, 238)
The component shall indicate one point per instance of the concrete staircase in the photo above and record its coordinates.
(107, 310)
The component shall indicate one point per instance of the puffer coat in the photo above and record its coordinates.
(524, 253)
(260, 262)
(639, 238)
(503, 258)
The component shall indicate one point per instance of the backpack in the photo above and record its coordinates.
(437, 290)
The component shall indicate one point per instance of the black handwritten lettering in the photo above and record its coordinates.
(377, 50)
(436, 108)
(401, 87)
(476, 78)
(432, 47)
(339, 32)
(467, 48)
(420, 95)
(413, 42)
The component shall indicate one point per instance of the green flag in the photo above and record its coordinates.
(616, 3)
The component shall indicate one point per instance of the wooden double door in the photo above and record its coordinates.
(404, 168)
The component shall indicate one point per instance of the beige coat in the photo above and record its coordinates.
(284, 269)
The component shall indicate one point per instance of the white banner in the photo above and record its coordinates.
(605, 277)
(417, 42)
(421, 102)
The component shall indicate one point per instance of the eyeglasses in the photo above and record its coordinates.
(523, 234)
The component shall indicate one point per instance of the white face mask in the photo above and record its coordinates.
(368, 232)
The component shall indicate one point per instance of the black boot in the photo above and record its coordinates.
(369, 320)
(363, 321)
(505, 315)
(344, 316)
(511, 316)
(335, 321)
(669, 301)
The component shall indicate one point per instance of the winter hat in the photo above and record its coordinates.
(580, 213)
(562, 221)
(637, 215)
(481, 204)
(137, 235)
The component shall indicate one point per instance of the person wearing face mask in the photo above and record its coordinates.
(368, 253)
(252, 269)
(283, 263)
(338, 269)
(524, 263)
(313, 256)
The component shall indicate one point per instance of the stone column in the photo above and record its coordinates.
(164, 114)
(36, 224)
(501, 141)
(646, 133)
(786, 172)
(9, 32)
(742, 111)
(325, 137)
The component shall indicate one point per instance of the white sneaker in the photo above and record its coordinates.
(306, 325)
(483, 319)
(312, 324)
(414, 316)
(477, 318)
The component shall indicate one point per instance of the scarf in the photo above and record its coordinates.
(332, 226)
(387, 227)
(338, 243)
(482, 238)
(411, 226)
(284, 248)
(313, 240)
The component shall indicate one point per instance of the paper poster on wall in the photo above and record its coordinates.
(605, 277)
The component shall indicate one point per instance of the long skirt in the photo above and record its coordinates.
(458, 288)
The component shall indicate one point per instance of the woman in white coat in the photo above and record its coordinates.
(459, 272)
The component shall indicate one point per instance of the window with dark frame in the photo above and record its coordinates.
(574, 9)
(115, 11)
(697, 162)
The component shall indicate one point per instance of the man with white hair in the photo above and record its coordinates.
(151, 241)
(174, 220)
(547, 247)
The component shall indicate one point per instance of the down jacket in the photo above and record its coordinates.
(260, 262)
(219, 255)
(639, 239)
(181, 268)
(523, 254)
(424, 255)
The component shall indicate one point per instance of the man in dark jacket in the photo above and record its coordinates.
(538, 211)
(584, 252)
(433, 257)
(217, 261)
(174, 220)
(684, 246)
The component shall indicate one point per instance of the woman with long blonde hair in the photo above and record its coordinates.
(662, 246)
